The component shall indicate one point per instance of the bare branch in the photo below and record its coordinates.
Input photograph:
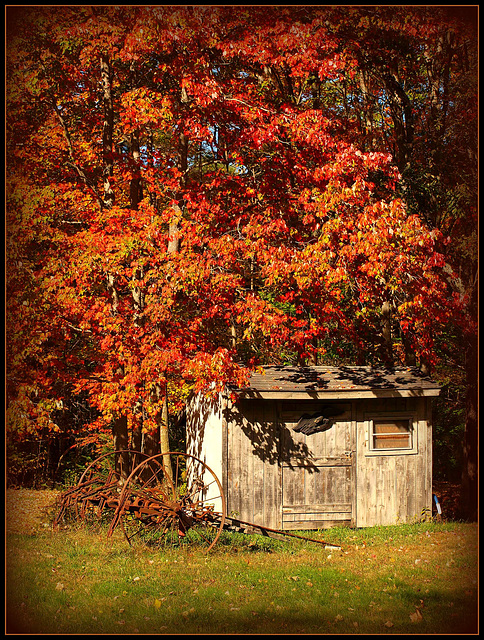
(80, 171)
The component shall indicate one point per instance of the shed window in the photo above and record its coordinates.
(390, 433)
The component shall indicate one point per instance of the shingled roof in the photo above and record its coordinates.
(279, 382)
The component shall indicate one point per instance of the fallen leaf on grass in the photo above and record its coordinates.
(416, 616)
(388, 623)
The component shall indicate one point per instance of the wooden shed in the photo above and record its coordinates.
(313, 447)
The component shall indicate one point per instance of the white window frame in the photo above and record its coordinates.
(370, 418)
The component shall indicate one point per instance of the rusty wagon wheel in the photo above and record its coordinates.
(170, 499)
(98, 488)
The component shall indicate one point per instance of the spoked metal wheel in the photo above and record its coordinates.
(171, 499)
(99, 487)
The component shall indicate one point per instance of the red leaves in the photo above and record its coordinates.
(213, 371)
(288, 232)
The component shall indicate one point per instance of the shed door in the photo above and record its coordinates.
(317, 470)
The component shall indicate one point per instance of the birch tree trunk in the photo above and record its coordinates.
(107, 138)
(164, 424)
(172, 247)
(120, 423)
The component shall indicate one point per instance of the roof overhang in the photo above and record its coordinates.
(337, 395)
(338, 383)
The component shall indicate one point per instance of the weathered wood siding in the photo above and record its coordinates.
(394, 486)
(317, 469)
(287, 480)
(253, 471)
(276, 477)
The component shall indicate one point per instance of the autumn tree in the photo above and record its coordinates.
(190, 197)
(414, 94)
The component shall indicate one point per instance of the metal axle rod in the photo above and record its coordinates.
(236, 521)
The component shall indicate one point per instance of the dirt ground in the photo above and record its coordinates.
(29, 510)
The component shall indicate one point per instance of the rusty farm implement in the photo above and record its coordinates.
(164, 499)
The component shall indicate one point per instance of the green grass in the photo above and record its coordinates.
(406, 579)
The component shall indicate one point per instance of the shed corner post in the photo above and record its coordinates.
(428, 413)
(354, 465)
(225, 404)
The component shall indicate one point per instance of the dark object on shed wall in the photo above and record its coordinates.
(317, 422)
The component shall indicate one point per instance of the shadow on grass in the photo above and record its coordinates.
(259, 622)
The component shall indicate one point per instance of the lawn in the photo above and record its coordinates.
(406, 579)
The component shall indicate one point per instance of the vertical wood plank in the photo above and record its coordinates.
(401, 510)
(272, 506)
(261, 425)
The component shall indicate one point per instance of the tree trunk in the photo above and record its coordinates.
(366, 119)
(135, 185)
(469, 498)
(120, 423)
(173, 247)
(402, 116)
(137, 435)
(121, 442)
(387, 333)
(469, 467)
(108, 125)
(408, 350)
(173, 231)
(151, 443)
(164, 433)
